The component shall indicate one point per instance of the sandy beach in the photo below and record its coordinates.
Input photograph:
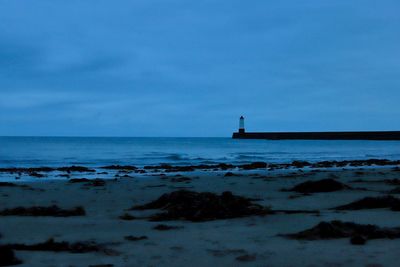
(246, 241)
(199, 133)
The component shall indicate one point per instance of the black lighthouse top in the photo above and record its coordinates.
(241, 125)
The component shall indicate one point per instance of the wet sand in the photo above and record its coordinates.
(247, 241)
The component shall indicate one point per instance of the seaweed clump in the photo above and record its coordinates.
(7, 257)
(54, 211)
(205, 206)
(320, 186)
(373, 203)
(51, 245)
(358, 233)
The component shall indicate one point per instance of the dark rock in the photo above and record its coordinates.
(156, 185)
(164, 227)
(36, 174)
(254, 165)
(229, 174)
(224, 166)
(7, 184)
(300, 164)
(51, 245)
(79, 180)
(324, 230)
(127, 217)
(246, 258)
(119, 167)
(7, 257)
(372, 203)
(135, 238)
(325, 164)
(339, 229)
(162, 166)
(40, 169)
(317, 212)
(325, 185)
(193, 206)
(169, 168)
(355, 163)
(358, 240)
(75, 169)
(54, 211)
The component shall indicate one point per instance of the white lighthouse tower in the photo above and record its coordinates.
(241, 124)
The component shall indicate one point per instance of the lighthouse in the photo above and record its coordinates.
(241, 124)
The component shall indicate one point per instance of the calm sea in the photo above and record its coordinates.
(98, 151)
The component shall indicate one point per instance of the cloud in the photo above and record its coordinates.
(191, 68)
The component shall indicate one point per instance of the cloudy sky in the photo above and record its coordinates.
(191, 68)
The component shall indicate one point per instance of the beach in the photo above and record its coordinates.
(199, 133)
(129, 237)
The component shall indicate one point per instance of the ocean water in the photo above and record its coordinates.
(99, 151)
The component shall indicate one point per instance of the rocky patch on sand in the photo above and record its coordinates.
(338, 229)
(127, 217)
(246, 258)
(135, 238)
(164, 227)
(53, 211)
(120, 167)
(8, 184)
(372, 203)
(315, 212)
(38, 172)
(89, 182)
(51, 245)
(355, 163)
(75, 169)
(7, 257)
(320, 186)
(197, 207)
(254, 166)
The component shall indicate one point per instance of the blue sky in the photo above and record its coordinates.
(191, 68)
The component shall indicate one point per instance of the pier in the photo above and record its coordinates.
(348, 135)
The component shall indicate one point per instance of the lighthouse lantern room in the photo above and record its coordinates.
(241, 124)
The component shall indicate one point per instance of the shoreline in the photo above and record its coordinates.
(117, 171)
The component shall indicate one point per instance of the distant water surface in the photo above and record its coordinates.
(98, 151)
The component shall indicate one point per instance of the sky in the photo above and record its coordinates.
(192, 68)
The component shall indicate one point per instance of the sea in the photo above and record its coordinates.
(100, 151)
